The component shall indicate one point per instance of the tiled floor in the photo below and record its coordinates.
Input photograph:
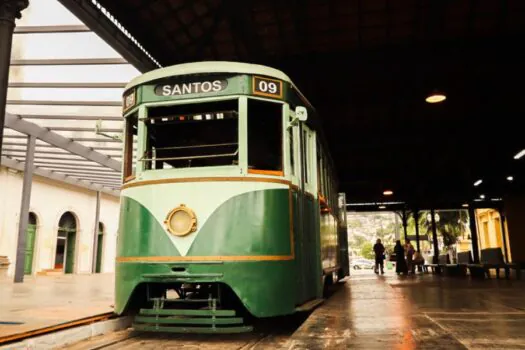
(49, 300)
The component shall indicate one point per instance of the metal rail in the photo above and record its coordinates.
(52, 29)
(65, 325)
(44, 85)
(68, 62)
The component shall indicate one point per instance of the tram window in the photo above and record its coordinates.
(192, 135)
(292, 151)
(264, 136)
(130, 134)
(306, 156)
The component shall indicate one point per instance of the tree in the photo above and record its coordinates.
(367, 250)
(451, 224)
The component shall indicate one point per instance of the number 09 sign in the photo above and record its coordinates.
(267, 87)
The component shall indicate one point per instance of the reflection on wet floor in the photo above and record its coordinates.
(417, 312)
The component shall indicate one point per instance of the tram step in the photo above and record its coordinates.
(200, 330)
(168, 300)
(189, 320)
(187, 312)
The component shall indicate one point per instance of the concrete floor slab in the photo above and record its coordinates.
(46, 301)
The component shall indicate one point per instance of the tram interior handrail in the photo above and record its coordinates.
(192, 157)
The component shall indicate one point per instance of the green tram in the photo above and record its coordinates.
(229, 208)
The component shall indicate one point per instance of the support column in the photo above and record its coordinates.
(416, 218)
(504, 234)
(9, 10)
(434, 235)
(95, 239)
(473, 234)
(24, 210)
(405, 224)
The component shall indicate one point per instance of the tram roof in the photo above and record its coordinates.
(208, 67)
(367, 67)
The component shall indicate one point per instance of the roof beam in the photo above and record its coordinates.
(44, 85)
(52, 29)
(16, 123)
(65, 103)
(68, 128)
(70, 117)
(68, 61)
(14, 164)
(66, 166)
(110, 33)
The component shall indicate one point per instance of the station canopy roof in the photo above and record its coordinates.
(367, 66)
(64, 80)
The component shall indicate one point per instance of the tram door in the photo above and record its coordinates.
(309, 213)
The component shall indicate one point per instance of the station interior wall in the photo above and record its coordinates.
(49, 201)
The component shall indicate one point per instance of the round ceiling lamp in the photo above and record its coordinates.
(435, 97)
(388, 193)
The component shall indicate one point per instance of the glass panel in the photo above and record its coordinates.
(192, 135)
(130, 136)
(105, 73)
(306, 154)
(292, 151)
(264, 135)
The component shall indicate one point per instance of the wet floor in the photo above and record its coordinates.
(420, 312)
(376, 312)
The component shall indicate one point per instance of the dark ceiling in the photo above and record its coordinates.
(367, 66)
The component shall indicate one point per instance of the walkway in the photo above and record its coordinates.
(46, 301)
(423, 312)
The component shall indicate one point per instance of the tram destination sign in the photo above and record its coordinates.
(187, 88)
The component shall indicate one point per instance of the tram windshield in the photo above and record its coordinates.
(192, 135)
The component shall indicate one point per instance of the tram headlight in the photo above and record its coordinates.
(181, 221)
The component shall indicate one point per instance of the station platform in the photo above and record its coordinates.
(45, 302)
(417, 312)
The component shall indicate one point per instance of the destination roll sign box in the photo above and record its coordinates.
(187, 88)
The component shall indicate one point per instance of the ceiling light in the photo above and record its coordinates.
(477, 183)
(382, 207)
(510, 178)
(436, 97)
(520, 154)
(388, 193)
(482, 196)
(465, 205)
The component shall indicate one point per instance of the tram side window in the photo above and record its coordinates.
(264, 136)
(130, 134)
(306, 156)
(292, 151)
(192, 135)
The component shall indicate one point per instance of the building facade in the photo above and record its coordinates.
(61, 228)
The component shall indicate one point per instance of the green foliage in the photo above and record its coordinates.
(451, 224)
(367, 250)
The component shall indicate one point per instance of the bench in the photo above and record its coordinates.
(492, 258)
(443, 260)
(465, 262)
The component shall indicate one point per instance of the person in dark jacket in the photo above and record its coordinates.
(401, 266)
(379, 251)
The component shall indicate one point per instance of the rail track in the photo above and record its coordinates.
(268, 334)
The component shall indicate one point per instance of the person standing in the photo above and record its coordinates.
(401, 266)
(409, 250)
(379, 251)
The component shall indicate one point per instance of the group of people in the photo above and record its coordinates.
(406, 257)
